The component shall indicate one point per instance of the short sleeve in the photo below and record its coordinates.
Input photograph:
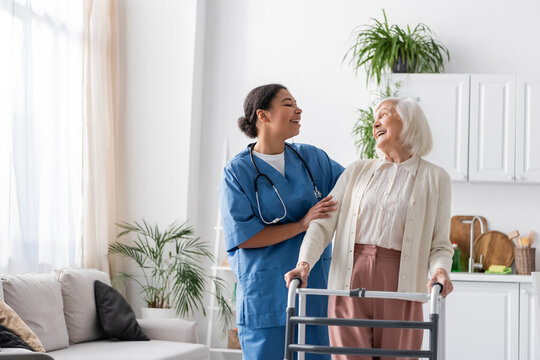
(337, 170)
(334, 167)
(239, 221)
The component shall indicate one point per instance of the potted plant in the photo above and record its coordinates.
(363, 127)
(171, 265)
(379, 47)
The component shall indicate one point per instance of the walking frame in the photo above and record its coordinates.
(435, 325)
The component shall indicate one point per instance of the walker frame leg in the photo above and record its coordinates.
(436, 325)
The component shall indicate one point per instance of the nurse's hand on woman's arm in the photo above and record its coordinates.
(301, 271)
(440, 275)
(274, 234)
(322, 209)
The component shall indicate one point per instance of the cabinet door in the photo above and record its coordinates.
(482, 321)
(492, 128)
(445, 101)
(528, 344)
(528, 129)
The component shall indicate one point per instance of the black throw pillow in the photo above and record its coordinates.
(115, 315)
(9, 340)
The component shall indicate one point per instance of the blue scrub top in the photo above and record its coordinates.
(261, 291)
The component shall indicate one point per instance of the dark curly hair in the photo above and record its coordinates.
(259, 98)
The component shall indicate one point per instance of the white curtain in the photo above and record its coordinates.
(41, 134)
(57, 141)
(100, 111)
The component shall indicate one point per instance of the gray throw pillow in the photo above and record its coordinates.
(79, 304)
(37, 299)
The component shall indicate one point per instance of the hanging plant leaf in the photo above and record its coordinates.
(380, 47)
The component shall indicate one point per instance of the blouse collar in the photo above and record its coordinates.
(410, 165)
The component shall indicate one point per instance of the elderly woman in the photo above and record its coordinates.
(391, 231)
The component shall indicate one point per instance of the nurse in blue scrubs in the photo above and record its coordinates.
(268, 195)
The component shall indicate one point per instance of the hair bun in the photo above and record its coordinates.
(247, 127)
(243, 123)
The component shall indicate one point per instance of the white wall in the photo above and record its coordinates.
(158, 135)
(155, 129)
(300, 44)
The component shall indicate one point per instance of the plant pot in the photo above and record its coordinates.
(401, 66)
(157, 313)
(233, 342)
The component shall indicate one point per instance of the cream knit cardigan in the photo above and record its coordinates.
(426, 237)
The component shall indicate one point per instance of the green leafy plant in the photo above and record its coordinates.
(362, 131)
(379, 47)
(363, 127)
(171, 263)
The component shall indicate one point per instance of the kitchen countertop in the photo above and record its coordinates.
(490, 277)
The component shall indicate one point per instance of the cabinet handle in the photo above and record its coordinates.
(511, 177)
(529, 292)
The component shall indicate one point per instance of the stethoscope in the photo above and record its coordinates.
(316, 191)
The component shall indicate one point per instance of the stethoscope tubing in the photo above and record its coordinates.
(316, 191)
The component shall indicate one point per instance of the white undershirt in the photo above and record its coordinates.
(276, 161)
(383, 209)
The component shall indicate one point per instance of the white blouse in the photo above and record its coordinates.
(383, 207)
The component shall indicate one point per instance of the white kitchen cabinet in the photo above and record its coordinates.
(485, 127)
(490, 317)
(482, 321)
(528, 339)
(528, 129)
(492, 128)
(445, 101)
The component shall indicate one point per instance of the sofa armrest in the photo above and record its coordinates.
(170, 329)
(26, 356)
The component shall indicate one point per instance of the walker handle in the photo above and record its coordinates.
(441, 285)
(435, 298)
(291, 311)
(291, 298)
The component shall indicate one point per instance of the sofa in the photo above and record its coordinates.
(60, 310)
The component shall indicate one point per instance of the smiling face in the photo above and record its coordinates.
(282, 120)
(387, 127)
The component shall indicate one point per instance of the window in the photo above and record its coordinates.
(40, 134)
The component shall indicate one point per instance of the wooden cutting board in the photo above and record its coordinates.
(460, 234)
(496, 248)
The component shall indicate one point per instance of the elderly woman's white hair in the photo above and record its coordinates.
(416, 133)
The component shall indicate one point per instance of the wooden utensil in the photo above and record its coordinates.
(460, 234)
(531, 238)
(495, 247)
(513, 234)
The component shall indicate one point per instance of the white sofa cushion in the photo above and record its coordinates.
(10, 320)
(170, 329)
(79, 303)
(132, 350)
(37, 299)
